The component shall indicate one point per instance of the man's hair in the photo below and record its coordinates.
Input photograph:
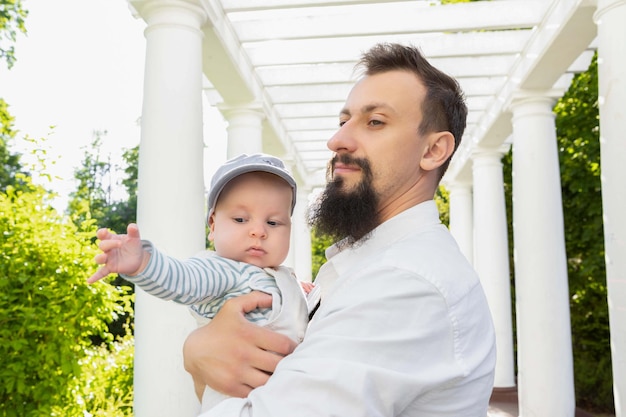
(444, 106)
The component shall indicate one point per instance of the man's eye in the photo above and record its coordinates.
(376, 122)
(342, 122)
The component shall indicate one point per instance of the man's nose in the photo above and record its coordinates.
(343, 139)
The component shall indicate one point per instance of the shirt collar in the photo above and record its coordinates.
(410, 221)
(416, 217)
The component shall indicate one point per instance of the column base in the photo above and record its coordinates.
(503, 403)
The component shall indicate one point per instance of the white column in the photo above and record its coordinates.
(461, 217)
(300, 257)
(610, 18)
(245, 129)
(491, 256)
(170, 209)
(545, 364)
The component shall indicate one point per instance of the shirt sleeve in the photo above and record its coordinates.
(193, 281)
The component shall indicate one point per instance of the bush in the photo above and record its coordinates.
(106, 386)
(48, 314)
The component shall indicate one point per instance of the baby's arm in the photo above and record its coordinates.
(122, 254)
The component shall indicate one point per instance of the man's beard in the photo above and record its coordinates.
(346, 216)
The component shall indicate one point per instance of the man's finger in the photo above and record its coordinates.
(262, 337)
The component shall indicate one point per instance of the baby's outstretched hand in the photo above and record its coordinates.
(121, 254)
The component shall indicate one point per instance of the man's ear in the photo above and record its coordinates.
(439, 147)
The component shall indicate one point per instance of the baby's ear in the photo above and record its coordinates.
(211, 227)
(439, 147)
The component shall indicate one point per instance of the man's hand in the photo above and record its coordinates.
(121, 254)
(232, 355)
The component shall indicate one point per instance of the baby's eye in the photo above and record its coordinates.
(272, 223)
(238, 219)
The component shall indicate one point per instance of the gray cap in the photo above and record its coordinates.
(244, 164)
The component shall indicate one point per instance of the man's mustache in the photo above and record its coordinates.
(348, 160)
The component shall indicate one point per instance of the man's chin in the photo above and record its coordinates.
(347, 185)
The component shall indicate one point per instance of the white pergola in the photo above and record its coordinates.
(279, 71)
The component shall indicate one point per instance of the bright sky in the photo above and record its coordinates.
(80, 69)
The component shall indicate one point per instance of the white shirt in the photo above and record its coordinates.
(404, 329)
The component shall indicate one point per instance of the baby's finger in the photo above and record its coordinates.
(100, 273)
(103, 233)
(107, 245)
(100, 258)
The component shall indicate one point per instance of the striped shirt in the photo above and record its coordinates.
(204, 282)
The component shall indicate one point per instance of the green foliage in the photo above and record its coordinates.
(507, 174)
(118, 214)
(318, 251)
(105, 388)
(577, 125)
(12, 21)
(10, 164)
(48, 314)
(93, 198)
(92, 195)
(442, 199)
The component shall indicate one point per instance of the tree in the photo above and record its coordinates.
(12, 21)
(97, 178)
(10, 164)
(93, 200)
(124, 211)
(48, 314)
(93, 193)
(12, 16)
(49, 317)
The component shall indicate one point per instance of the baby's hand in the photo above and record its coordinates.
(122, 254)
(307, 286)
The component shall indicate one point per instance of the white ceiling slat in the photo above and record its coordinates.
(313, 146)
(581, 63)
(348, 49)
(309, 93)
(311, 123)
(374, 19)
(462, 67)
(256, 5)
(295, 110)
(477, 103)
(312, 135)
(481, 85)
(306, 74)
(344, 73)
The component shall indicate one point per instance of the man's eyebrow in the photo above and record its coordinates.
(368, 108)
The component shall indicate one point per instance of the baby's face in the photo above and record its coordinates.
(251, 222)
